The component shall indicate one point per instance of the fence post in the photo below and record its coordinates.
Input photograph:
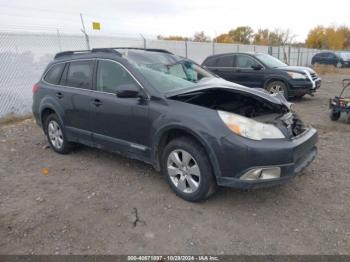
(298, 56)
(186, 52)
(289, 55)
(144, 41)
(213, 51)
(59, 40)
(84, 32)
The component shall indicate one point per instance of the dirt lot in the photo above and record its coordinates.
(92, 202)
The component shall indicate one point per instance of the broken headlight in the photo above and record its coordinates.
(249, 128)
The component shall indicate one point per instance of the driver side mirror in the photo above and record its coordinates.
(257, 67)
(129, 91)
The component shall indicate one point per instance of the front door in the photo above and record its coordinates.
(119, 124)
(246, 71)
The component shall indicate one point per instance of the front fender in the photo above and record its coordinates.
(201, 138)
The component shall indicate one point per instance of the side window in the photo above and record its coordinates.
(224, 61)
(210, 62)
(80, 74)
(111, 76)
(244, 61)
(53, 76)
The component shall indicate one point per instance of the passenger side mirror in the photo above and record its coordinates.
(128, 91)
(257, 67)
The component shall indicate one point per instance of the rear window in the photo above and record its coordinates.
(54, 75)
(80, 74)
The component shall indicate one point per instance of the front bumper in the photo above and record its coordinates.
(292, 157)
(301, 87)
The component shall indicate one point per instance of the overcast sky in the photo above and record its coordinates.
(165, 17)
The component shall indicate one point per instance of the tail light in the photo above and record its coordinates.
(35, 88)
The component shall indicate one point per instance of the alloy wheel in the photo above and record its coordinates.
(183, 171)
(276, 89)
(55, 134)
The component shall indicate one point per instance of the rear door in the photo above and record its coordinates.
(221, 66)
(119, 124)
(77, 79)
(245, 74)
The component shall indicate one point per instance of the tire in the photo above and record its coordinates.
(338, 65)
(56, 135)
(334, 116)
(194, 178)
(277, 87)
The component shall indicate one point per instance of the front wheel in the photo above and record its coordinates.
(187, 169)
(334, 115)
(277, 87)
(339, 65)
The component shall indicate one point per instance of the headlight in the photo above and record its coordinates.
(249, 128)
(295, 75)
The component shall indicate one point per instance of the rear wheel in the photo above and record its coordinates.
(56, 136)
(334, 115)
(277, 87)
(187, 169)
(339, 65)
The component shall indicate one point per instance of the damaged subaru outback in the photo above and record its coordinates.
(199, 130)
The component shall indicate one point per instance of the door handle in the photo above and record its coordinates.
(97, 102)
(59, 95)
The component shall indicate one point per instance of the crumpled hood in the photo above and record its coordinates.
(215, 83)
(298, 69)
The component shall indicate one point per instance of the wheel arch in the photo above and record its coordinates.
(47, 108)
(165, 135)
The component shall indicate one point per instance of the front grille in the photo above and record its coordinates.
(314, 76)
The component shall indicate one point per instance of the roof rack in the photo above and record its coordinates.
(145, 49)
(108, 50)
(65, 53)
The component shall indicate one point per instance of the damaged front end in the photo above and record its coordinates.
(250, 113)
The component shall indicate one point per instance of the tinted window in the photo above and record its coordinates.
(224, 61)
(111, 76)
(79, 74)
(53, 76)
(244, 61)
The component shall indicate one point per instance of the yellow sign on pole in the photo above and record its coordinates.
(96, 26)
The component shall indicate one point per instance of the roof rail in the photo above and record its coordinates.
(65, 53)
(145, 49)
(106, 50)
(109, 50)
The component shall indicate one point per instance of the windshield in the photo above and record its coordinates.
(168, 72)
(270, 61)
(345, 55)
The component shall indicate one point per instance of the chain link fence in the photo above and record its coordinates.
(24, 56)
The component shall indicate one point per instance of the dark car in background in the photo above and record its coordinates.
(148, 104)
(258, 70)
(337, 59)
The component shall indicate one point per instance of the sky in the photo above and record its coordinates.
(166, 17)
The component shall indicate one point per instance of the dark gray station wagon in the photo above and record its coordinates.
(198, 129)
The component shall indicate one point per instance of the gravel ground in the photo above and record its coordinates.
(92, 202)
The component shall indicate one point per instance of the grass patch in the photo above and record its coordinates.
(331, 70)
(11, 119)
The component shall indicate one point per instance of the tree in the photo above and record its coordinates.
(262, 37)
(345, 31)
(242, 34)
(200, 37)
(316, 38)
(172, 37)
(224, 38)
